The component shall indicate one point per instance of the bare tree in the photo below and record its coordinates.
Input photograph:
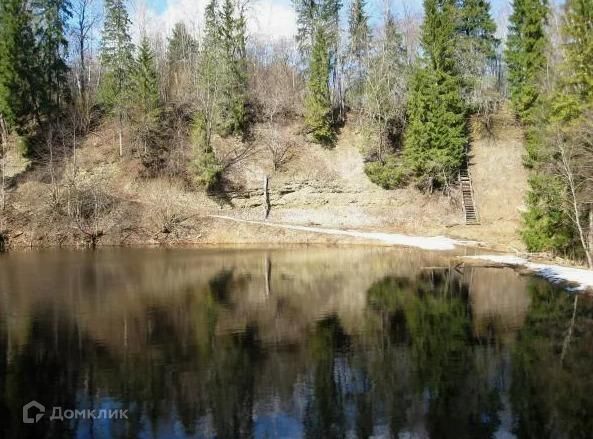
(573, 148)
(85, 17)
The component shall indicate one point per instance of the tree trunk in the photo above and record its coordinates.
(266, 196)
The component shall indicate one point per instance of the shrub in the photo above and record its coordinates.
(389, 174)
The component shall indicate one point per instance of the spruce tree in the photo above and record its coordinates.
(436, 134)
(476, 46)
(181, 46)
(17, 68)
(52, 46)
(310, 15)
(525, 54)
(182, 50)
(548, 224)
(232, 35)
(359, 40)
(116, 61)
(576, 89)
(145, 94)
(358, 30)
(317, 101)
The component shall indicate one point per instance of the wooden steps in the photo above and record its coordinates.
(468, 200)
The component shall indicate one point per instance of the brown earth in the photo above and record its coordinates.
(320, 187)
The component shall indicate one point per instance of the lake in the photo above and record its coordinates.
(303, 342)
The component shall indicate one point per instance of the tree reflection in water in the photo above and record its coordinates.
(302, 344)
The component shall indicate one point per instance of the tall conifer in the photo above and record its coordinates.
(436, 134)
(525, 54)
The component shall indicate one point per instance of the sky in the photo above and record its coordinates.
(270, 18)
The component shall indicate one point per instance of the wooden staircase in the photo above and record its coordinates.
(467, 191)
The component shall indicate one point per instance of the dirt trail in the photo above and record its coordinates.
(422, 242)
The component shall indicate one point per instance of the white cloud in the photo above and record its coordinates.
(269, 18)
(272, 19)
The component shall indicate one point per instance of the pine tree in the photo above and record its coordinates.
(317, 101)
(525, 54)
(52, 47)
(181, 46)
(116, 61)
(551, 222)
(310, 15)
(233, 68)
(17, 69)
(575, 94)
(358, 51)
(476, 45)
(145, 94)
(182, 50)
(436, 134)
(358, 30)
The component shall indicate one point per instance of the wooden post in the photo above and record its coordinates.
(266, 196)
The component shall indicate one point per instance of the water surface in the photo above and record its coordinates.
(319, 343)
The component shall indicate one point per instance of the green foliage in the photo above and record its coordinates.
(116, 58)
(317, 102)
(52, 46)
(525, 54)
(146, 102)
(312, 14)
(181, 46)
(476, 52)
(205, 167)
(546, 226)
(389, 174)
(477, 28)
(436, 137)
(575, 91)
(384, 88)
(17, 68)
(233, 69)
(358, 29)
(561, 117)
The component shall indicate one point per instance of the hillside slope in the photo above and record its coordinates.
(312, 186)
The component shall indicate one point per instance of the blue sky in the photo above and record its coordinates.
(273, 17)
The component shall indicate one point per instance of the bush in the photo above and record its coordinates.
(389, 174)
(205, 167)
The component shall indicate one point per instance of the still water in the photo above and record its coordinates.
(319, 343)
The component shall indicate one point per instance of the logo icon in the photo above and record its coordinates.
(27, 407)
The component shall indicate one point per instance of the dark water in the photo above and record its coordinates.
(289, 343)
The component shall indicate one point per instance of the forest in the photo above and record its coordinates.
(414, 89)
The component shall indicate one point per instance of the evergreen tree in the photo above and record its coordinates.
(116, 61)
(182, 50)
(358, 29)
(234, 68)
(525, 54)
(575, 94)
(17, 69)
(476, 46)
(317, 101)
(181, 46)
(550, 223)
(359, 36)
(145, 94)
(436, 134)
(310, 15)
(52, 46)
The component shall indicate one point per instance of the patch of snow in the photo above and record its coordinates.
(426, 243)
(554, 273)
